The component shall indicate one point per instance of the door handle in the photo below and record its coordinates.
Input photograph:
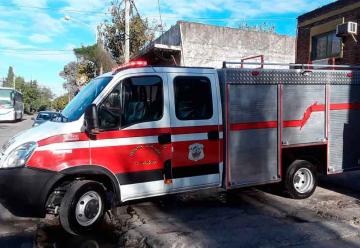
(164, 138)
(213, 135)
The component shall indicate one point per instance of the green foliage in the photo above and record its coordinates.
(96, 54)
(35, 96)
(113, 33)
(9, 81)
(86, 71)
(101, 57)
(60, 102)
(77, 74)
(69, 73)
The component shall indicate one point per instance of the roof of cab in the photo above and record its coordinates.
(161, 69)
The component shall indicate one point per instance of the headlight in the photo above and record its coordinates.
(19, 156)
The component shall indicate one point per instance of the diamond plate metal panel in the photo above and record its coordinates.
(267, 76)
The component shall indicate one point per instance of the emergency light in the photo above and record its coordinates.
(131, 64)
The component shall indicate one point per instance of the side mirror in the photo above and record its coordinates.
(91, 120)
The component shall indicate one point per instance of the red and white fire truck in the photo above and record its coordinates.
(142, 131)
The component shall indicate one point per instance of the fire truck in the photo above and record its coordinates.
(142, 131)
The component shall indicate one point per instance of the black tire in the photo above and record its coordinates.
(297, 171)
(15, 120)
(68, 218)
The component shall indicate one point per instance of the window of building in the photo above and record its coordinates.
(326, 46)
(134, 100)
(193, 98)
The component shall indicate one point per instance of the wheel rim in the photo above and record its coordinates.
(303, 180)
(88, 208)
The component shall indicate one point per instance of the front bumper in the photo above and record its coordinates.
(23, 191)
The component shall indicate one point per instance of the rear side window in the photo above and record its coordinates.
(193, 99)
(43, 116)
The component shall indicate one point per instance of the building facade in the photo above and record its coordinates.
(195, 44)
(318, 41)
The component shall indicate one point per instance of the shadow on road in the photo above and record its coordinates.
(347, 183)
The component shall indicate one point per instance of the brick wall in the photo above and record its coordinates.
(351, 49)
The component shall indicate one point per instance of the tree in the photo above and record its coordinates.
(86, 71)
(96, 54)
(35, 97)
(77, 74)
(9, 81)
(69, 73)
(60, 102)
(113, 33)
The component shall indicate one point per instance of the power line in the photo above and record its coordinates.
(138, 14)
(160, 16)
(55, 53)
(36, 50)
(225, 19)
(53, 9)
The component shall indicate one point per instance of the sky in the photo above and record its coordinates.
(37, 40)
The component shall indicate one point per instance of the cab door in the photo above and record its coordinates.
(134, 141)
(196, 135)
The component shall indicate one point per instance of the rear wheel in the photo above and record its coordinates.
(301, 180)
(15, 117)
(82, 207)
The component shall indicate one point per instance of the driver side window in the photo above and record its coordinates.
(134, 100)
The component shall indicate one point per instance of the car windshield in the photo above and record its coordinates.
(5, 103)
(43, 116)
(84, 98)
(5, 93)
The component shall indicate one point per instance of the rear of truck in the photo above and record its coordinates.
(277, 120)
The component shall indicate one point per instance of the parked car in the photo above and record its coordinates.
(44, 116)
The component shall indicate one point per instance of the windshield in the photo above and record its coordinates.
(84, 98)
(5, 93)
(43, 116)
(5, 98)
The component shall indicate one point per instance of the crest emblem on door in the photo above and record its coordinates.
(196, 152)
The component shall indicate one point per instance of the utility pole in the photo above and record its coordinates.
(127, 31)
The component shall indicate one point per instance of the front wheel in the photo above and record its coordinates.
(82, 207)
(301, 180)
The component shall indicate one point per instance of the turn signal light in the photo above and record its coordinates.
(168, 181)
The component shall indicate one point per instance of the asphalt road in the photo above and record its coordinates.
(9, 129)
(252, 217)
